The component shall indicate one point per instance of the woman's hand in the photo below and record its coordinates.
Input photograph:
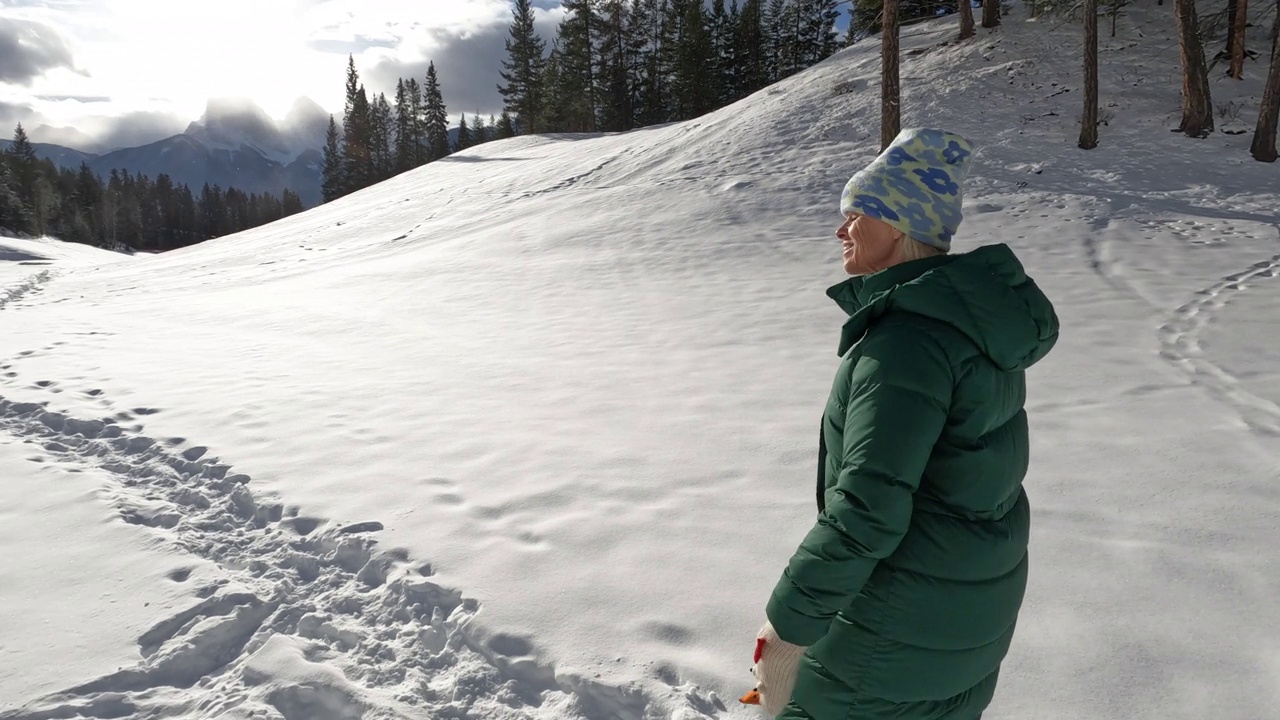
(776, 662)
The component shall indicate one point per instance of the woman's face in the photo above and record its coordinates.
(869, 244)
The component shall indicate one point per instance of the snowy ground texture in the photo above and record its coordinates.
(529, 433)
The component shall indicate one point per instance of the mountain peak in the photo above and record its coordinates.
(235, 122)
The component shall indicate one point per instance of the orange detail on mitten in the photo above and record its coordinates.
(751, 698)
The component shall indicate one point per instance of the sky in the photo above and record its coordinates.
(116, 73)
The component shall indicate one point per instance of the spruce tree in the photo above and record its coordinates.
(694, 77)
(23, 164)
(506, 127)
(613, 71)
(417, 123)
(647, 69)
(751, 49)
(463, 140)
(479, 135)
(577, 88)
(355, 133)
(333, 181)
(523, 68)
(551, 119)
(404, 140)
(13, 216)
(437, 116)
(381, 135)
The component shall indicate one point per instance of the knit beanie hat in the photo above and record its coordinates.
(914, 185)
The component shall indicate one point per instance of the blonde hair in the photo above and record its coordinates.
(913, 249)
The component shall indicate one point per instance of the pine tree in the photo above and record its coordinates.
(463, 140)
(751, 51)
(23, 164)
(523, 68)
(1197, 107)
(780, 39)
(491, 129)
(355, 133)
(1089, 117)
(404, 140)
(819, 30)
(381, 133)
(721, 53)
(13, 216)
(694, 90)
(645, 73)
(617, 110)
(479, 134)
(333, 180)
(553, 116)
(417, 123)
(437, 116)
(1263, 147)
(577, 87)
(506, 127)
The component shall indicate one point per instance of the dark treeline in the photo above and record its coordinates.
(125, 210)
(613, 65)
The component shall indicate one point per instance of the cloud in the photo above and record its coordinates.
(11, 114)
(467, 59)
(29, 49)
(99, 133)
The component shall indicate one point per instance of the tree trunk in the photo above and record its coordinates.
(990, 13)
(890, 95)
(1237, 39)
(966, 19)
(1232, 7)
(1197, 108)
(1264, 137)
(1089, 117)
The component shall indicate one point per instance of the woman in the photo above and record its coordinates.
(901, 601)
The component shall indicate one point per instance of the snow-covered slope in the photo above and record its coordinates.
(528, 432)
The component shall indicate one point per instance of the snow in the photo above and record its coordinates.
(529, 432)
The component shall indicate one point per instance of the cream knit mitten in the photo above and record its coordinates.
(775, 669)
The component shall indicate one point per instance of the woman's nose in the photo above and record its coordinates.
(842, 232)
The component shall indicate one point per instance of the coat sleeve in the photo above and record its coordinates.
(899, 397)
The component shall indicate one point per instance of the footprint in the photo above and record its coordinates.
(45, 383)
(179, 575)
(145, 411)
(93, 393)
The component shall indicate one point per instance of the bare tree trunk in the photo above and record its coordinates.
(990, 13)
(890, 93)
(1089, 117)
(966, 19)
(1197, 107)
(1237, 39)
(1232, 7)
(1264, 138)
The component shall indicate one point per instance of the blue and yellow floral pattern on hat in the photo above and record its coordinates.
(916, 185)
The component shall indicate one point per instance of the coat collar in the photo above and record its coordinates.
(866, 297)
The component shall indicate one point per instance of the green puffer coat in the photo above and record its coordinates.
(908, 587)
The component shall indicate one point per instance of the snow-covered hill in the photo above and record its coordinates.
(528, 432)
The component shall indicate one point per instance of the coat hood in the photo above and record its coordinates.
(984, 294)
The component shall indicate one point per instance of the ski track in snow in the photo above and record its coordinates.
(310, 620)
(1180, 345)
